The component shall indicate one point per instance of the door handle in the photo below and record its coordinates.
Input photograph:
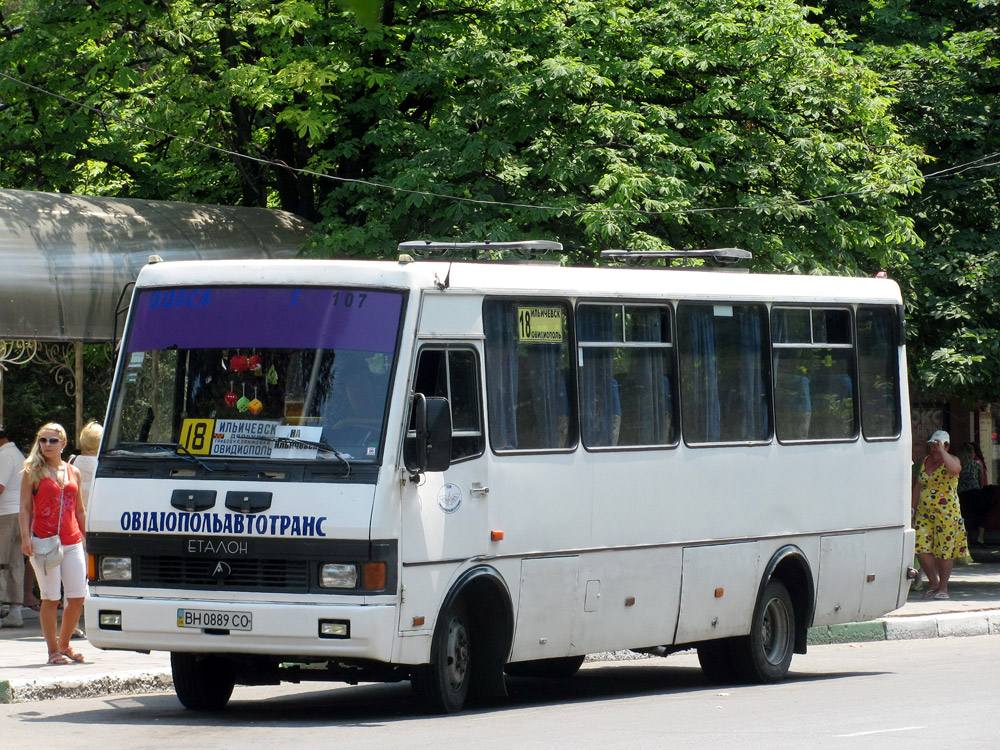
(478, 489)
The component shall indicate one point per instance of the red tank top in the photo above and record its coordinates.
(45, 520)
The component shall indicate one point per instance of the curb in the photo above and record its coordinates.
(123, 682)
(947, 625)
(851, 632)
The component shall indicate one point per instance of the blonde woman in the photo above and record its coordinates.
(51, 504)
(86, 462)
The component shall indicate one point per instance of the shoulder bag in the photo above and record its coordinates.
(49, 551)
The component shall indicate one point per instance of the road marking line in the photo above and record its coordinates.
(881, 731)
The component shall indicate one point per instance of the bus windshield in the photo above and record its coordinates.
(274, 373)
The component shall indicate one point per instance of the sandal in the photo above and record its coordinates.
(69, 653)
(941, 595)
(58, 658)
(930, 594)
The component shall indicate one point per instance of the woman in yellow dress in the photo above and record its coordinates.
(940, 530)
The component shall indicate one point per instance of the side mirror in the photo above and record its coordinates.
(428, 442)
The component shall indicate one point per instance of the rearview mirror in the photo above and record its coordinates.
(428, 442)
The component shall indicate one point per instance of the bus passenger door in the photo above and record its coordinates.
(445, 515)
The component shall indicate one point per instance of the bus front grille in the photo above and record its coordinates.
(239, 575)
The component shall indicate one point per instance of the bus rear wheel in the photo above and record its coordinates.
(766, 654)
(202, 682)
(443, 685)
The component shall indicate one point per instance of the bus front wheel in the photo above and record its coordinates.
(443, 685)
(202, 682)
(765, 654)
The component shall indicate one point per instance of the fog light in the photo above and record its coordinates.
(116, 568)
(109, 620)
(334, 629)
(338, 576)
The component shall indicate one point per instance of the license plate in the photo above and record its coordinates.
(214, 619)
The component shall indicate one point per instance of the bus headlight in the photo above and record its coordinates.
(338, 576)
(116, 568)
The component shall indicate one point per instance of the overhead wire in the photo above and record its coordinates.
(941, 174)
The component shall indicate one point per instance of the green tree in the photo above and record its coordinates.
(942, 57)
(36, 393)
(663, 124)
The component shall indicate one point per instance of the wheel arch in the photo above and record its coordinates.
(790, 565)
(487, 601)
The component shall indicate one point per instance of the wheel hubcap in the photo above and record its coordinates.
(457, 654)
(774, 632)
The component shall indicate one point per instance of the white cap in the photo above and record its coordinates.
(941, 435)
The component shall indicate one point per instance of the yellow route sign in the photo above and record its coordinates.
(196, 436)
(540, 324)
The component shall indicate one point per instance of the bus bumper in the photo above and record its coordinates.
(909, 539)
(274, 629)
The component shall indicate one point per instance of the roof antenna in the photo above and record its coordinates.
(442, 285)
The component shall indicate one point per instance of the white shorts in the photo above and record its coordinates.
(71, 573)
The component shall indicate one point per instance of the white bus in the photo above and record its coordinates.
(448, 471)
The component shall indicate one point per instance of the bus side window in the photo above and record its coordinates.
(724, 372)
(528, 375)
(454, 374)
(813, 374)
(626, 375)
(878, 366)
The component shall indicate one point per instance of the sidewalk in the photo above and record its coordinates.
(24, 675)
(973, 609)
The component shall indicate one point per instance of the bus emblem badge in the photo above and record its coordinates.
(222, 571)
(449, 498)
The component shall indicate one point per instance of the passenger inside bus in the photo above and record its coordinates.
(355, 422)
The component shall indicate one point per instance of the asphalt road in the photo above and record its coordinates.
(914, 694)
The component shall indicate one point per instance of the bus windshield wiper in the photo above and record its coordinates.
(188, 455)
(322, 445)
(148, 449)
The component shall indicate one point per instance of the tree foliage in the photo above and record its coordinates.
(37, 393)
(631, 123)
(942, 58)
(646, 124)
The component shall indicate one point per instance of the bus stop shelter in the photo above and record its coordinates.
(67, 262)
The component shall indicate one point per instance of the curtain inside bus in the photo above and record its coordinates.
(598, 388)
(528, 376)
(724, 388)
(878, 360)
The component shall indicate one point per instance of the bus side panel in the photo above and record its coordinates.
(630, 599)
(598, 601)
(718, 592)
(885, 567)
(541, 502)
(909, 542)
(424, 589)
(681, 495)
(549, 602)
(841, 576)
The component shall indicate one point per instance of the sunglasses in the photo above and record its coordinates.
(50, 441)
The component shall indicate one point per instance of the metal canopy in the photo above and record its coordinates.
(64, 259)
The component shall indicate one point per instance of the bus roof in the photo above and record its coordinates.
(527, 279)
